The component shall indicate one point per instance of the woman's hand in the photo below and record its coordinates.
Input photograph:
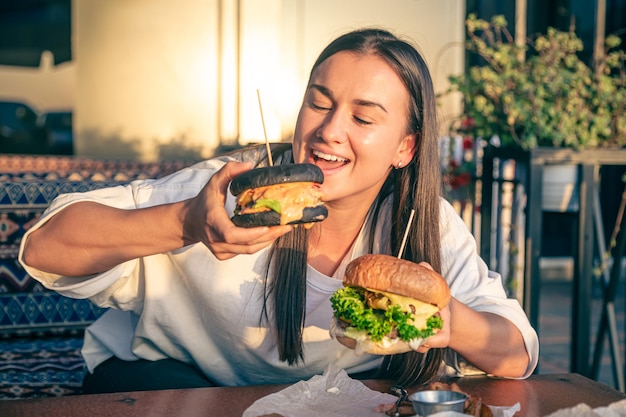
(442, 338)
(488, 341)
(207, 221)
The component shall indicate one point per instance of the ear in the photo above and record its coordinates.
(406, 150)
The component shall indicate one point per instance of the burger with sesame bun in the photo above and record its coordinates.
(387, 305)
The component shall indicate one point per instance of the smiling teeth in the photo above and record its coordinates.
(328, 157)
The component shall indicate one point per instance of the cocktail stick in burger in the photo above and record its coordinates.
(387, 305)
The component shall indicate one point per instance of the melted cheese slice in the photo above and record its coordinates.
(294, 198)
(422, 310)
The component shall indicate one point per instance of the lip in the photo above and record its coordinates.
(329, 167)
(315, 154)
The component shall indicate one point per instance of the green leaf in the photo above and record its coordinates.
(349, 304)
(542, 93)
(269, 203)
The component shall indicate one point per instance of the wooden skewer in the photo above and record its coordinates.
(406, 233)
(267, 142)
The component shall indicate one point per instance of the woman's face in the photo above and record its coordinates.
(353, 125)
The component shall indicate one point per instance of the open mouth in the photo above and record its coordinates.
(328, 161)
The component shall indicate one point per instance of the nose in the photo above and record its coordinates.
(333, 127)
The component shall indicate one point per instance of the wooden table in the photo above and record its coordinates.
(538, 396)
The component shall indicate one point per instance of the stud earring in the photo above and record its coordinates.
(399, 164)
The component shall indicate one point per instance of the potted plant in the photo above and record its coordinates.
(541, 93)
(535, 103)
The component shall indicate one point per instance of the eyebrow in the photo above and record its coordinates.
(358, 102)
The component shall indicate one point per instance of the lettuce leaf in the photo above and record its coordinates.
(269, 203)
(349, 305)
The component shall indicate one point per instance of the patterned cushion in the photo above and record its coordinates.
(21, 205)
(44, 312)
(25, 305)
(28, 184)
(36, 367)
(40, 330)
(64, 166)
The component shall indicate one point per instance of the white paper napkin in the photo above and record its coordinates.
(333, 394)
(497, 411)
(617, 409)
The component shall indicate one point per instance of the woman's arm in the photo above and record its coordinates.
(488, 341)
(87, 237)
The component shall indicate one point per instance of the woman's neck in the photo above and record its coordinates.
(330, 241)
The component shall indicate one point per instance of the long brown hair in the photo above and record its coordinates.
(416, 186)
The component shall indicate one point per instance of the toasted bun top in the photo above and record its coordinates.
(399, 276)
(277, 174)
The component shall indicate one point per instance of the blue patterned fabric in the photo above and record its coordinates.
(27, 187)
(41, 193)
(41, 367)
(41, 312)
(21, 205)
(25, 305)
(41, 332)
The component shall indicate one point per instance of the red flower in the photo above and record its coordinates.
(468, 143)
(467, 124)
(460, 180)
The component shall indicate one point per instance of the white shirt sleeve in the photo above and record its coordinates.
(473, 284)
(181, 185)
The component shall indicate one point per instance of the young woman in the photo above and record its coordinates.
(196, 301)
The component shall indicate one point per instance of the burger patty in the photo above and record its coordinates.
(380, 301)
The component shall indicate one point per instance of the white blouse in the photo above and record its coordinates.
(190, 306)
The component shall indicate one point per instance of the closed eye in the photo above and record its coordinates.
(320, 107)
(361, 121)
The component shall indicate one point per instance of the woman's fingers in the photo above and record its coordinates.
(208, 222)
(442, 338)
(246, 241)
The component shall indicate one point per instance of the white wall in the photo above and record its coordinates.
(304, 27)
(145, 76)
(147, 81)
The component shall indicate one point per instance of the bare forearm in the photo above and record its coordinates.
(488, 341)
(87, 238)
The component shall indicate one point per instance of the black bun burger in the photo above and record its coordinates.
(279, 194)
